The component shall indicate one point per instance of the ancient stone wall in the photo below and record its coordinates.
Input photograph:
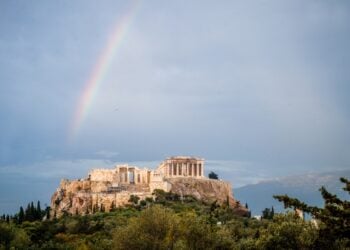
(102, 175)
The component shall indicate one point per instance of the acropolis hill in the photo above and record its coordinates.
(110, 188)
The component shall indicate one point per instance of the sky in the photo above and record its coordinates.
(258, 88)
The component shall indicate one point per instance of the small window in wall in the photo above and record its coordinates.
(180, 169)
(138, 178)
(174, 167)
(190, 171)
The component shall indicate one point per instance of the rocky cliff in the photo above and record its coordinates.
(85, 196)
(207, 190)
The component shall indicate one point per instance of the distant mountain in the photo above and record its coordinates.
(304, 187)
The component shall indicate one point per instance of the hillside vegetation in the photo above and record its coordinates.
(173, 222)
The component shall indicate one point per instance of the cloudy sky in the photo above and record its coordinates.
(258, 88)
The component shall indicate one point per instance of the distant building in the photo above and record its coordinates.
(258, 217)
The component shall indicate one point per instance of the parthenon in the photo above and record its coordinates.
(182, 166)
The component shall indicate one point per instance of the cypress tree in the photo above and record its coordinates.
(21, 215)
(27, 214)
(272, 214)
(32, 211)
(38, 211)
(47, 211)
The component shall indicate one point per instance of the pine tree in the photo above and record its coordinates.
(7, 218)
(334, 216)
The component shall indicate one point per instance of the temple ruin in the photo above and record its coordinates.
(172, 167)
(108, 188)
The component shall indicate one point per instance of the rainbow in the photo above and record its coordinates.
(101, 68)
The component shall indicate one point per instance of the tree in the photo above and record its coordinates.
(155, 228)
(334, 216)
(95, 208)
(6, 236)
(21, 215)
(47, 212)
(213, 175)
(134, 199)
(32, 211)
(102, 208)
(286, 231)
(113, 207)
(160, 195)
(38, 211)
(272, 212)
(268, 213)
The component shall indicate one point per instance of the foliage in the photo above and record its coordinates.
(213, 175)
(171, 221)
(287, 232)
(268, 213)
(334, 217)
(134, 199)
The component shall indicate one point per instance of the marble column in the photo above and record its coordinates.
(127, 175)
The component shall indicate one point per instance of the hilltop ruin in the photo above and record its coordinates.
(110, 188)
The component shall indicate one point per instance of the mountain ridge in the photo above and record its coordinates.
(302, 186)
